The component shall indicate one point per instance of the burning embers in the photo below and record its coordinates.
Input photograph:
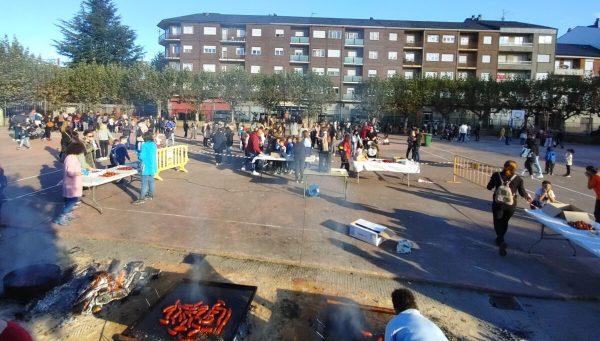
(191, 319)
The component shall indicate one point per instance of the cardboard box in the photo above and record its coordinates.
(367, 231)
(557, 209)
(576, 216)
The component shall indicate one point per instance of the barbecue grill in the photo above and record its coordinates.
(352, 322)
(237, 297)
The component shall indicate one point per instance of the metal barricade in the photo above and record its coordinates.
(171, 157)
(472, 170)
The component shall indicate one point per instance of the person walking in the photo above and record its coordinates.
(186, 127)
(502, 134)
(506, 184)
(569, 161)
(219, 143)
(416, 146)
(228, 143)
(591, 172)
(206, 134)
(533, 146)
(550, 158)
(345, 151)
(299, 154)
(410, 142)
(409, 324)
(252, 150)
(149, 167)
(72, 182)
(194, 130)
(104, 138)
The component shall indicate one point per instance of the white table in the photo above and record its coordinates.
(406, 167)
(586, 239)
(94, 179)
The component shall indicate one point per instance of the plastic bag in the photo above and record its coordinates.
(313, 190)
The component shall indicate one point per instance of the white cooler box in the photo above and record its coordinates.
(366, 231)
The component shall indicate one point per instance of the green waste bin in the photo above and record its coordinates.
(426, 140)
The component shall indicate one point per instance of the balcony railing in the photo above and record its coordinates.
(172, 55)
(349, 97)
(414, 45)
(513, 44)
(352, 79)
(299, 40)
(355, 42)
(233, 39)
(411, 62)
(515, 62)
(569, 72)
(299, 58)
(232, 56)
(353, 60)
(467, 65)
(167, 35)
(470, 46)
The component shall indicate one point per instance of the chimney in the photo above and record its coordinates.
(597, 24)
(473, 17)
(479, 17)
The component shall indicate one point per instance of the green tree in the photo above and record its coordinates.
(269, 90)
(18, 70)
(315, 92)
(233, 87)
(96, 35)
(481, 97)
(446, 96)
(159, 61)
(373, 94)
(204, 87)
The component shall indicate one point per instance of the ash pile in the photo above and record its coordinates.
(87, 291)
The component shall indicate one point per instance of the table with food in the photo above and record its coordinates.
(97, 177)
(582, 230)
(402, 166)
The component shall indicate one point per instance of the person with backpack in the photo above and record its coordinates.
(506, 184)
(550, 160)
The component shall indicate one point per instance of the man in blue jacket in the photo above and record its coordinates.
(149, 167)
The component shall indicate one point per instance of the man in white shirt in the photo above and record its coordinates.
(409, 324)
(462, 130)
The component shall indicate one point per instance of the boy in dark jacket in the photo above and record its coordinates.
(299, 153)
(118, 153)
(550, 160)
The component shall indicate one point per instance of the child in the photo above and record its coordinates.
(569, 161)
(543, 195)
(550, 160)
(119, 153)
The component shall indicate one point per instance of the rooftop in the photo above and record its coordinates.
(577, 50)
(233, 19)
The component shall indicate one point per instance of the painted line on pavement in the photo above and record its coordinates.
(35, 176)
(34, 192)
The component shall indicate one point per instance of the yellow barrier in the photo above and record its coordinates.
(171, 157)
(473, 171)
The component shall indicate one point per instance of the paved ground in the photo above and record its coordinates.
(227, 213)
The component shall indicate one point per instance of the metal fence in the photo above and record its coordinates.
(472, 170)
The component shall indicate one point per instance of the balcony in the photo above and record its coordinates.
(353, 61)
(515, 65)
(167, 35)
(350, 98)
(414, 45)
(172, 55)
(569, 72)
(299, 40)
(515, 47)
(299, 58)
(352, 79)
(233, 40)
(354, 42)
(515, 62)
(410, 63)
(468, 65)
(468, 47)
(232, 57)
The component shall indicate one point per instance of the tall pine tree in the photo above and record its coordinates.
(96, 34)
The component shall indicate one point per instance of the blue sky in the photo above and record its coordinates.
(33, 22)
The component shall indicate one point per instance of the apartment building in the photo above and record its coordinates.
(577, 60)
(349, 50)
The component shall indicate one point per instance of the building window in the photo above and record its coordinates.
(224, 68)
(486, 59)
(188, 29)
(240, 33)
(373, 55)
(462, 59)
(188, 49)
(279, 51)
(541, 75)
(319, 71)
(277, 69)
(409, 74)
(432, 57)
(391, 73)
(462, 75)
(240, 51)
(209, 68)
(299, 52)
(372, 73)
(485, 76)
(433, 38)
(373, 35)
(448, 39)
(487, 40)
(279, 33)
(335, 34)
(464, 41)
(333, 72)
(410, 38)
(209, 49)
(541, 58)
(430, 74)
(299, 70)
(318, 53)
(255, 69)
(256, 51)
(187, 66)
(447, 74)
(256, 32)
(333, 53)
(210, 31)
(175, 30)
(541, 39)
(409, 57)
(318, 34)
(393, 55)
(393, 37)
(447, 57)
